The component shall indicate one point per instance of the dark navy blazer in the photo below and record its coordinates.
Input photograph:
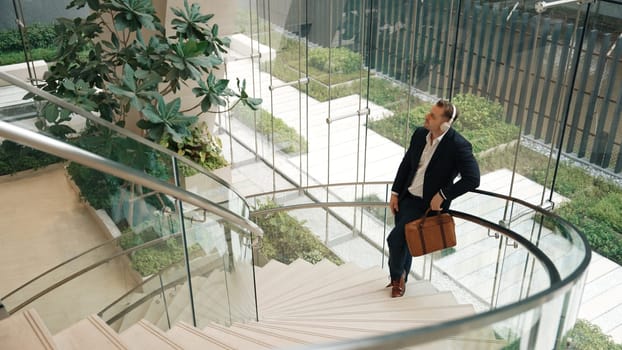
(453, 156)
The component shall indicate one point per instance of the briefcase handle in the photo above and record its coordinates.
(425, 215)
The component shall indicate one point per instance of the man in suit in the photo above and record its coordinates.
(437, 154)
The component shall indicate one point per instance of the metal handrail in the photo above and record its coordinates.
(89, 268)
(122, 131)
(112, 241)
(75, 154)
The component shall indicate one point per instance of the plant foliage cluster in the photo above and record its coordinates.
(46, 54)
(336, 60)
(287, 239)
(287, 139)
(586, 336)
(15, 158)
(480, 121)
(119, 61)
(153, 259)
(39, 36)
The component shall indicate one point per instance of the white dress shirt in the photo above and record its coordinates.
(416, 187)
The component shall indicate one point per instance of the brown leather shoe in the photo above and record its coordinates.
(398, 287)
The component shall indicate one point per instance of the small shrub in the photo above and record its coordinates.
(39, 36)
(130, 239)
(150, 260)
(587, 336)
(382, 214)
(46, 54)
(199, 146)
(15, 158)
(480, 122)
(97, 188)
(336, 60)
(387, 94)
(400, 126)
(287, 239)
(285, 137)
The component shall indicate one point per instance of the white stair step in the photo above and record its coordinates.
(136, 314)
(302, 332)
(304, 335)
(157, 306)
(287, 278)
(178, 304)
(191, 338)
(234, 339)
(418, 314)
(341, 329)
(272, 269)
(25, 331)
(329, 278)
(91, 333)
(371, 279)
(319, 271)
(372, 293)
(144, 335)
(382, 301)
(275, 339)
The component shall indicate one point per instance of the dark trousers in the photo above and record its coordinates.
(410, 208)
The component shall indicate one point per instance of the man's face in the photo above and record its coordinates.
(434, 119)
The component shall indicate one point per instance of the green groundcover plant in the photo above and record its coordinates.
(287, 239)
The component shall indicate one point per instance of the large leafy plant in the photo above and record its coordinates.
(120, 60)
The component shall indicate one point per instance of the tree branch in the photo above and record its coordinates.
(191, 108)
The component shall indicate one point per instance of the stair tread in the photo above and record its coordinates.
(191, 338)
(296, 285)
(304, 335)
(429, 313)
(26, 330)
(177, 301)
(90, 333)
(273, 338)
(144, 335)
(381, 301)
(235, 340)
(366, 279)
(136, 314)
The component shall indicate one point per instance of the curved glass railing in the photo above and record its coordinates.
(183, 239)
(520, 266)
(110, 141)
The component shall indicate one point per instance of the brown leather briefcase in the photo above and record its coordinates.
(430, 233)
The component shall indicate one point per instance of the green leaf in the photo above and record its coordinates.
(69, 85)
(128, 77)
(61, 130)
(50, 112)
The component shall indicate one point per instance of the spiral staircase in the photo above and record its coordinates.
(298, 304)
(241, 306)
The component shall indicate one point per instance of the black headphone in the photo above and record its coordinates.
(446, 125)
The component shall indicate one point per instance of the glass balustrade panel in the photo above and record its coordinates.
(221, 269)
(83, 217)
(148, 243)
